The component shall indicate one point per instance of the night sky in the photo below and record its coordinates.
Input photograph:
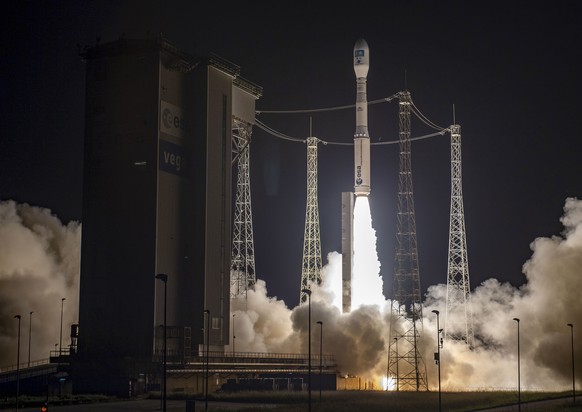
(507, 72)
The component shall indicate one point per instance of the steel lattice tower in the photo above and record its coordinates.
(311, 268)
(459, 313)
(243, 250)
(405, 364)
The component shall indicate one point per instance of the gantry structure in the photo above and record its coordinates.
(311, 267)
(242, 276)
(459, 312)
(405, 363)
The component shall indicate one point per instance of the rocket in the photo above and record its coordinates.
(361, 137)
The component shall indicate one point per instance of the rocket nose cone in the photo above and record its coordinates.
(361, 44)
(361, 58)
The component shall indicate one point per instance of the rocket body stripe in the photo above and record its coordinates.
(361, 137)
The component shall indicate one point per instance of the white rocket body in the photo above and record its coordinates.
(361, 137)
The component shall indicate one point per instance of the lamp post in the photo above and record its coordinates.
(518, 369)
(397, 373)
(308, 291)
(29, 335)
(18, 362)
(61, 332)
(438, 356)
(164, 278)
(233, 335)
(207, 312)
(320, 323)
(573, 376)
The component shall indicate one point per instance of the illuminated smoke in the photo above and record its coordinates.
(39, 264)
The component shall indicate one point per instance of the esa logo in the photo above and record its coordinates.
(359, 175)
(172, 120)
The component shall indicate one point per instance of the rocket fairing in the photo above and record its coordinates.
(361, 137)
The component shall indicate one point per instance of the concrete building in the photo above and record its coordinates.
(156, 200)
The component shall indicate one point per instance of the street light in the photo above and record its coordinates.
(233, 335)
(308, 292)
(29, 335)
(61, 332)
(18, 362)
(164, 278)
(397, 380)
(438, 356)
(518, 369)
(320, 323)
(573, 376)
(207, 312)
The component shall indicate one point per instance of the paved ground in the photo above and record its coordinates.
(149, 405)
(535, 406)
(146, 405)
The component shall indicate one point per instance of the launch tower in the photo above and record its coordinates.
(459, 313)
(311, 269)
(405, 363)
(243, 275)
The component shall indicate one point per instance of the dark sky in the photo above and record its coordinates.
(510, 70)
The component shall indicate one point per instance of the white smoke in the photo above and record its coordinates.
(545, 304)
(39, 265)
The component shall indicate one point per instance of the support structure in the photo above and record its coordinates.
(311, 268)
(459, 313)
(406, 368)
(243, 250)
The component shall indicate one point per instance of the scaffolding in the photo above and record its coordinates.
(459, 313)
(311, 267)
(405, 364)
(242, 276)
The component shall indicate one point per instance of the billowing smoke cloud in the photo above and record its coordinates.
(39, 265)
(545, 304)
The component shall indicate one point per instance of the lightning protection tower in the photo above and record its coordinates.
(243, 249)
(459, 313)
(311, 269)
(405, 364)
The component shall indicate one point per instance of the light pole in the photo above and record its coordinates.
(573, 376)
(18, 362)
(233, 335)
(29, 335)
(308, 291)
(207, 312)
(397, 381)
(164, 278)
(61, 332)
(438, 356)
(320, 323)
(518, 369)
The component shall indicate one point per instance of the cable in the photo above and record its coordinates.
(327, 109)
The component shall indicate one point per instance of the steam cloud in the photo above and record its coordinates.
(39, 264)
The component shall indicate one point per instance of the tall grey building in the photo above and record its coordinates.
(156, 200)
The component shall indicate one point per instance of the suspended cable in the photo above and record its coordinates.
(275, 133)
(327, 109)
